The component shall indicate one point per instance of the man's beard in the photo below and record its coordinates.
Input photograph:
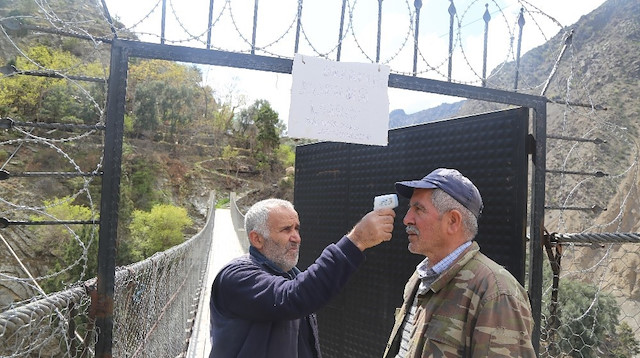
(281, 256)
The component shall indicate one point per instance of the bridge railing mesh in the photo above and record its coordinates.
(155, 302)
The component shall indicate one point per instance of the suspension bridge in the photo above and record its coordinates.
(166, 297)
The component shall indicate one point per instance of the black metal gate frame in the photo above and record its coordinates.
(122, 50)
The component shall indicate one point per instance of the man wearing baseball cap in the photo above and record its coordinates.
(458, 302)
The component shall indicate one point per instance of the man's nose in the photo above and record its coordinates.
(408, 219)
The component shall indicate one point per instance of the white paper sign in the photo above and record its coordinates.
(339, 101)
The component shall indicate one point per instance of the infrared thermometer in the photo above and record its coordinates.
(385, 201)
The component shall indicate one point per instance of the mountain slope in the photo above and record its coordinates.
(398, 118)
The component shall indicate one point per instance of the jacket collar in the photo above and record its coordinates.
(455, 267)
(446, 276)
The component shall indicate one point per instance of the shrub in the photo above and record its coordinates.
(157, 230)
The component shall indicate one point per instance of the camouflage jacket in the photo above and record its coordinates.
(476, 308)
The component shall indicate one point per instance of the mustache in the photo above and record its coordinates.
(412, 230)
(288, 246)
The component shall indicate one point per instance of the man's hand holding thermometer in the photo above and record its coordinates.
(376, 226)
(385, 201)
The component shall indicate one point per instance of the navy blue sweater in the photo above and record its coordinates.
(257, 310)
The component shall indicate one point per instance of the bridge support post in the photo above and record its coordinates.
(102, 306)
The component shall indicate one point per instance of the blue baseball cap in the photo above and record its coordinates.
(452, 182)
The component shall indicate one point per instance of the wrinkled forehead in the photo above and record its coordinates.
(282, 216)
(421, 196)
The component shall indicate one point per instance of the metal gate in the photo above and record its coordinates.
(123, 50)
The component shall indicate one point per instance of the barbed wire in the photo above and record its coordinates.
(350, 33)
(48, 136)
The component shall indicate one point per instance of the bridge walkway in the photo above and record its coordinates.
(225, 245)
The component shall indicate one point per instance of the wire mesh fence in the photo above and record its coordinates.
(55, 326)
(590, 296)
(155, 303)
(156, 300)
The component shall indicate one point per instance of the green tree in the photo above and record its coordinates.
(588, 322)
(159, 102)
(286, 155)
(178, 106)
(223, 120)
(624, 344)
(158, 229)
(262, 128)
(230, 155)
(246, 130)
(588, 315)
(74, 248)
(139, 190)
(146, 112)
(268, 130)
(166, 93)
(45, 99)
(141, 174)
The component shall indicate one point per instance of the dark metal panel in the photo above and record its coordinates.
(318, 202)
(490, 149)
(321, 206)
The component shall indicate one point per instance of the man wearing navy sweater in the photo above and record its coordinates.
(262, 305)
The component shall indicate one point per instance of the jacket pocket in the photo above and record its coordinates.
(443, 337)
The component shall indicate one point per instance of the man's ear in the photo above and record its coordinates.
(256, 240)
(454, 221)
